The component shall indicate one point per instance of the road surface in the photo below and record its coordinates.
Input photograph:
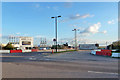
(78, 64)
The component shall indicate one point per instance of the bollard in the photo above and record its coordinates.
(52, 52)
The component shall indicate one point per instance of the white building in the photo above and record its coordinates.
(87, 46)
(26, 42)
(22, 42)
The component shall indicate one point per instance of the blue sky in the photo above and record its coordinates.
(96, 21)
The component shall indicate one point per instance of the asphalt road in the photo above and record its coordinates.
(78, 64)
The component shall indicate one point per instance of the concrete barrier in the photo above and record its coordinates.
(115, 55)
(15, 51)
(98, 53)
(4, 51)
(34, 50)
(106, 50)
(101, 52)
(104, 53)
(93, 52)
(114, 50)
(26, 51)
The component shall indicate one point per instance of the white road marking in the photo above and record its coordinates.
(102, 72)
(12, 56)
(32, 58)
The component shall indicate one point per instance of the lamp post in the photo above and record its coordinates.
(56, 28)
(75, 37)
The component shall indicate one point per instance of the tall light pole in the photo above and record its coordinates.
(75, 37)
(56, 28)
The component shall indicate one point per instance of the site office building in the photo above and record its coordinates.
(26, 42)
(21, 42)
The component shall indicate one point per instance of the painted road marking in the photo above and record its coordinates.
(102, 72)
(15, 56)
(12, 56)
(32, 58)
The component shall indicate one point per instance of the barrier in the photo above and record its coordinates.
(26, 51)
(18, 51)
(110, 54)
(106, 50)
(4, 51)
(98, 52)
(94, 51)
(115, 55)
(34, 50)
(114, 50)
(15, 51)
(52, 52)
(104, 53)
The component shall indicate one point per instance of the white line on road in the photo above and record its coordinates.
(32, 58)
(102, 72)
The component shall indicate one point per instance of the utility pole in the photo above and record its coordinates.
(75, 37)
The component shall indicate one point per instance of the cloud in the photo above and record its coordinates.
(70, 41)
(48, 7)
(111, 22)
(78, 16)
(38, 36)
(104, 31)
(68, 4)
(64, 20)
(18, 33)
(25, 35)
(93, 29)
(78, 28)
(80, 40)
(93, 41)
(84, 34)
(55, 8)
(85, 41)
(37, 5)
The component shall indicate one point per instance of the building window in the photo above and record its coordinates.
(26, 43)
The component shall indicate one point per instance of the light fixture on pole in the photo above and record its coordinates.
(56, 28)
(75, 37)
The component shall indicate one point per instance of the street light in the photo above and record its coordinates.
(75, 38)
(56, 28)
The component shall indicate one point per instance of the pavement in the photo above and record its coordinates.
(77, 64)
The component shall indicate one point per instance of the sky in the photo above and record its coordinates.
(97, 22)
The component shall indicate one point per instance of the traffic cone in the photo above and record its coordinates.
(52, 51)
